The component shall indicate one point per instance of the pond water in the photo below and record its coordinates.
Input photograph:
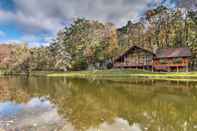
(60, 104)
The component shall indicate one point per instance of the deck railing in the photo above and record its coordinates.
(149, 64)
(170, 63)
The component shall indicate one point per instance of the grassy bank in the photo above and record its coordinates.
(114, 74)
(126, 73)
(32, 73)
(100, 73)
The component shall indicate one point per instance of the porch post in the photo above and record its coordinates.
(187, 68)
(152, 66)
(168, 68)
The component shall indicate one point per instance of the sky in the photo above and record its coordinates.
(38, 21)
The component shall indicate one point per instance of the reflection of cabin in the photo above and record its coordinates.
(172, 59)
(169, 59)
(135, 57)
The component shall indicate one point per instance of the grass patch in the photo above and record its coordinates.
(126, 73)
(99, 73)
(115, 74)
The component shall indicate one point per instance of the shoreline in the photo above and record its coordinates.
(128, 73)
(113, 74)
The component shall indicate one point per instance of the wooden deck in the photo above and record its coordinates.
(170, 63)
(155, 66)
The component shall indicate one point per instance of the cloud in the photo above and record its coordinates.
(35, 17)
(30, 24)
(189, 4)
(2, 34)
(117, 125)
(40, 112)
(36, 40)
(49, 15)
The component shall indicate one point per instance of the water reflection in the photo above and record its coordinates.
(37, 113)
(119, 124)
(92, 105)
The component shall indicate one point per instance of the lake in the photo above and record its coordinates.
(61, 104)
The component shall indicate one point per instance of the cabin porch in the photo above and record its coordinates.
(132, 65)
(172, 64)
(171, 68)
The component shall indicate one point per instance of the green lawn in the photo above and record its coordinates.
(126, 73)
(116, 74)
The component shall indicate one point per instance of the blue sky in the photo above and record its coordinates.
(37, 21)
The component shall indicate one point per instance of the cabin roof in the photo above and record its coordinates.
(160, 53)
(173, 52)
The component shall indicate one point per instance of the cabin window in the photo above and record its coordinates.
(145, 59)
(177, 60)
(135, 58)
(162, 61)
(149, 59)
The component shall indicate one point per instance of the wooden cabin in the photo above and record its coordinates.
(169, 59)
(172, 59)
(134, 57)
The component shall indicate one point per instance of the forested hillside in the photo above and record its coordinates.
(88, 44)
(161, 27)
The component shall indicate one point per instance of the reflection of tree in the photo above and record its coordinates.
(154, 107)
(10, 92)
(91, 103)
(86, 103)
(4, 91)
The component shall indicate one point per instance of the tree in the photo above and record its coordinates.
(20, 58)
(61, 58)
(86, 43)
